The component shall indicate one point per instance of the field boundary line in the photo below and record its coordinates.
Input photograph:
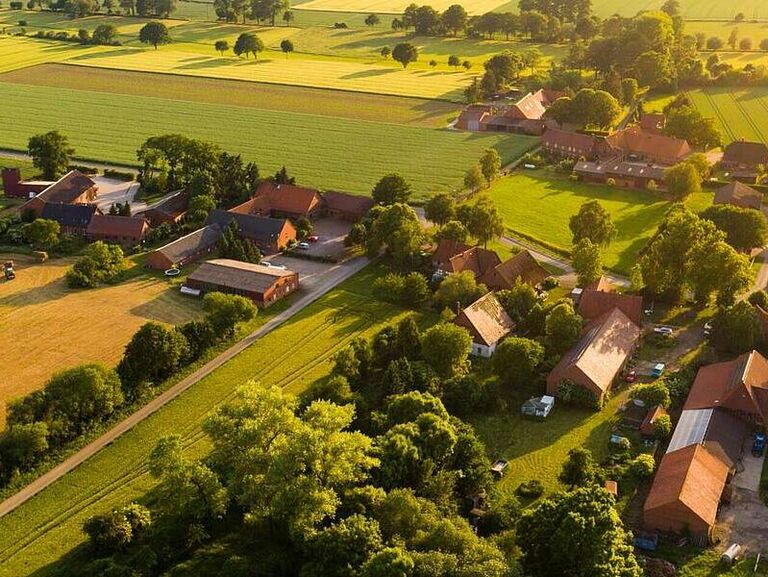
(167, 396)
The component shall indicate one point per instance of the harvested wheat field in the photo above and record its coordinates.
(47, 327)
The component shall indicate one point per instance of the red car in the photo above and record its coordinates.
(631, 376)
(313, 238)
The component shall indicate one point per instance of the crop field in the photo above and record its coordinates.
(739, 112)
(47, 327)
(48, 527)
(354, 105)
(21, 52)
(540, 207)
(327, 152)
(395, 6)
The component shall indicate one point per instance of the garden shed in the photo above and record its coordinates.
(539, 407)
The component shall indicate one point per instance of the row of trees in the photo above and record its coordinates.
(77, 401)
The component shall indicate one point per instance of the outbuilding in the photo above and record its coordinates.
(538, 407)
(263, 285)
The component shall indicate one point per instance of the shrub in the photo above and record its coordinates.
(653, 394)
(22, 23)
(119, 175)
(662, 427)
(549, 283)
(532, 489)
(16, 5)
(642, 466)
(341, 25)
(572, 394)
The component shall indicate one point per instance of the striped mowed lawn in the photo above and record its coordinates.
(322, 151)
(739, 112)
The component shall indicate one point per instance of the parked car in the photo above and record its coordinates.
(707, 328)
(266, 263)
(658, 370)
(631, 376)
(497, 469)
(666, 331)
(303, 245)
(313, 238)
(758, 444)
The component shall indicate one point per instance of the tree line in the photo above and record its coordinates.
(42, 426)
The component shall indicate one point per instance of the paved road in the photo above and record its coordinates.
(96, 165)
(335, 275)
(761, 279)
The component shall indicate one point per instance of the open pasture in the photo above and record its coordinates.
(540, 207)
(739, 112)
(47, 327)
(355, 105)
(18, 52)
(327, 152)
(48, 527)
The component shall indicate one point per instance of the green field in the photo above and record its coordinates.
(323, 151)
(395, 6)
(48, 526)
(353, 105)
(739, 112)
(539, 207)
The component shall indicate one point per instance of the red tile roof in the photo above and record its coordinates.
(568, 143)
(646, 427)
(350, 203)
(594, 303)
(68, 188)
(739, 194)
(476, 259)
(282, 198)
(521, 266)
(486, 320)
(117, 226)
(743, 153)
(447, 249)
(663, 149)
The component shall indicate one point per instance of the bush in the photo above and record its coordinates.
(642, 466)
(119, 175)
(22, 23)
(662, 427)
(409, 290)
(341, 25)
(572, 394)
(549, 283)
(16, 5)
(532, 489)
(653, 394)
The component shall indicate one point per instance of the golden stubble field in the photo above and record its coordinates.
(45, 327)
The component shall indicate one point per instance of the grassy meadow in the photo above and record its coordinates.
(327, 152)
(539, 206)
(739, 112)
(18, 53)
(395, 6)
(39, 315)
(48, 527)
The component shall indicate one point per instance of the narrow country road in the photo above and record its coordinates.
(335, 276)
(761, 278)
(97, 165)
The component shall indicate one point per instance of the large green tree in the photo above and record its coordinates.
(42, 233)
(592, 222)
(153, 354)
(405, 53)
(391, 189)
(579, 534)
(744, 228)
(587, 261)
(50, 153)
(682, 180)
(398, 231)
(248, 43)
(687, 123)
(459, 290)
(516, 360)
(445, 347)
(440, 208)
(562, 327)
(736, 329)
(154, 33)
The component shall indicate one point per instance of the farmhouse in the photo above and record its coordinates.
(127, 231)
(635, 143)
(522, 267)
(739, 194)
(72, 218)
(264, 285)
(742, 158)
(186, 249)
(269, 234)
(599, 356)
(653, 123)
(524, 116)
(281, 201)
(475, 259)
(626, 174)
(472, 117)
(17, 188)
(595, 303)
(72, 188)
(487, 322)
(170, 210)
(349, 207)
(568, 144)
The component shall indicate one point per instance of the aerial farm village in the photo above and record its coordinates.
(367, 288)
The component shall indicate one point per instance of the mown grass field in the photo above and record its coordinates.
(21, 52)
(540, 207)
(47, 327)
(739, 112)
(327, 152)
(395, 6)
(354, 105)
(48, 527)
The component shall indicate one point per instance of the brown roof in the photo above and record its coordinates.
(173, 206)
(191, 244)
(234, 274)
(529, 107)
(739, 385)
(692, 477)
(602, 284)
(446, 250)
(349, 203)
(646, 427)
(68, 188)
(117, 226)
(567, 142)
(741, 152)
(739, 194)
(653, 122)
(521, 266)
(635, 140)
(476, 259)
(287, 198)
(599, 355)
(486, 320)
(594, 303)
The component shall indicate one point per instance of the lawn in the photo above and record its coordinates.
(739, 112)
(327, 152)
(47, 327)
(537, 449)
(354, 105)
(539, 206)
(48, 526)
